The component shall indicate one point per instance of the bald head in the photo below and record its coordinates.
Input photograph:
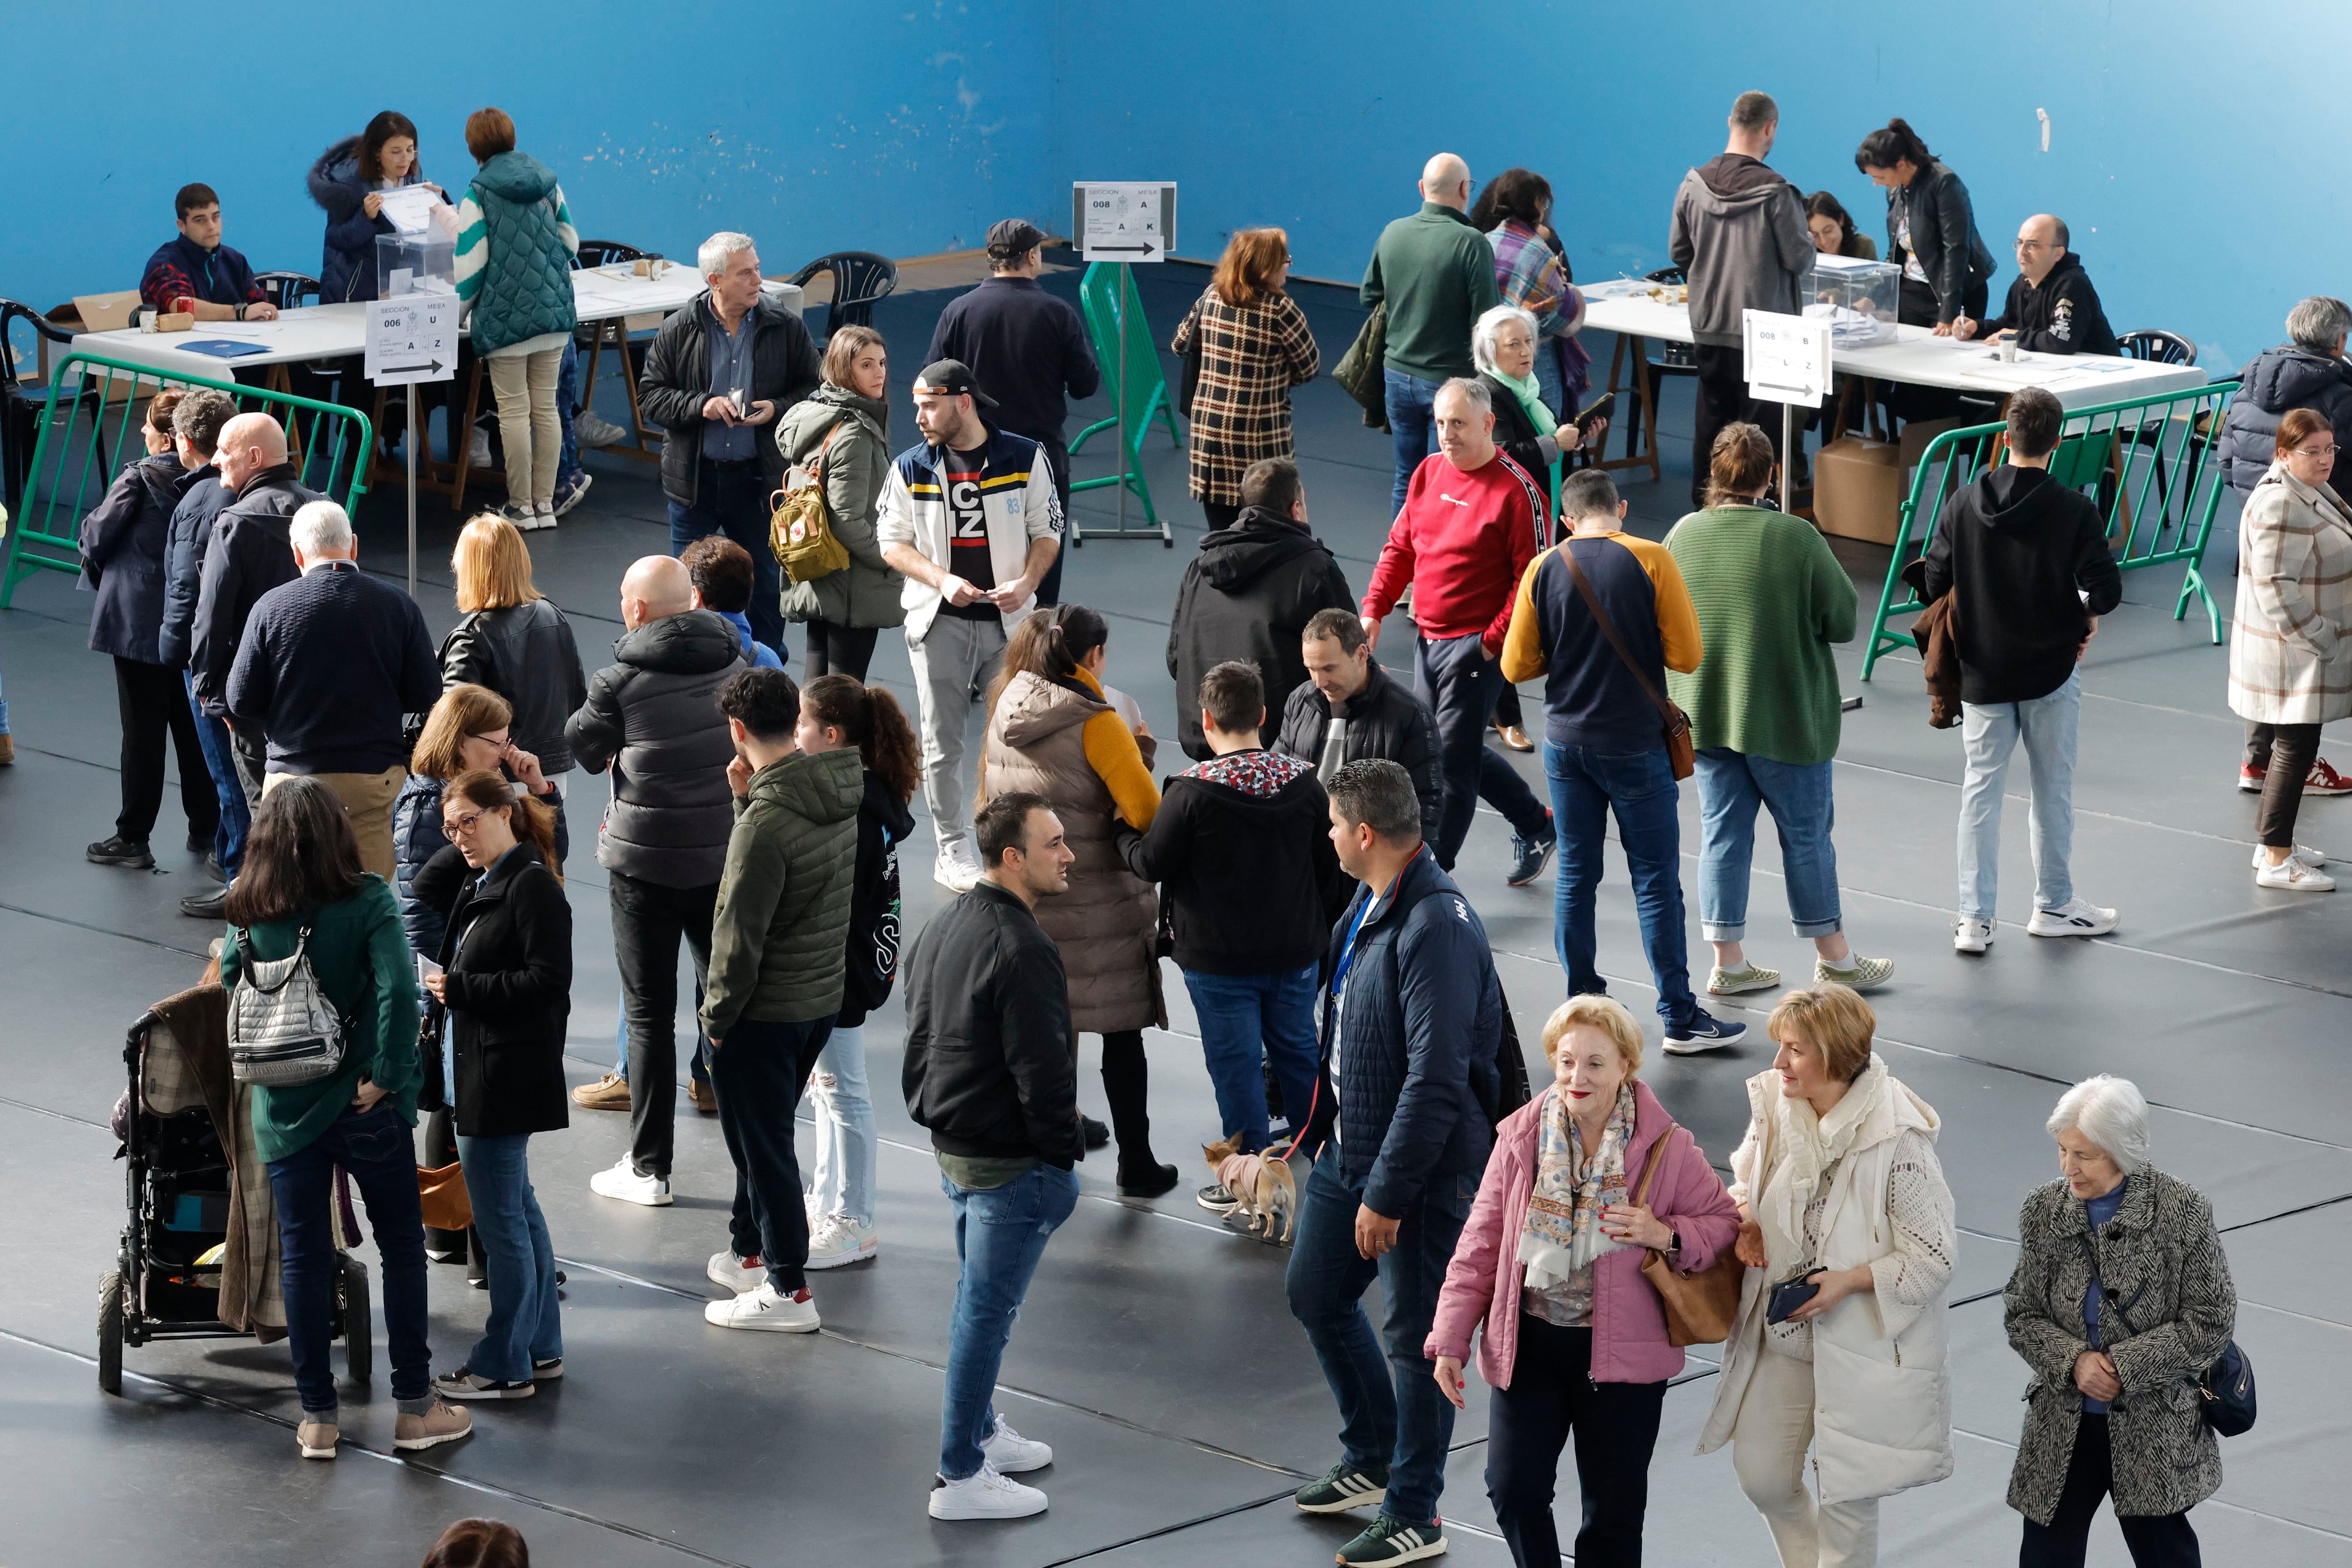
(249, 443)
(654, 587)
(1446, 180)
(2041, 245)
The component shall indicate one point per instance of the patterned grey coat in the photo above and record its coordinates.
(2169, 1312)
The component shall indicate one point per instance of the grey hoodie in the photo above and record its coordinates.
(1738, 235)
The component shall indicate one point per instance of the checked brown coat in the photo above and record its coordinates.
(1251, 356)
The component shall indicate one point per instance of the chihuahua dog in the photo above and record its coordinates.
(1264, 1190)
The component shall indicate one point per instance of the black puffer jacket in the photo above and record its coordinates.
(525, 652)
(677, 382)
(250, 553)
(2287, 377)
(347, 265)
(653, 716)
(1386, 719)
(190, 536)
(1248, 596)
(508, 951)
(1943, 234)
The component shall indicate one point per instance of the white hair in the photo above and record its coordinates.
(321, 530)
(720, 250)
(2316, 323)
(2110, 1112)
(1490, 326)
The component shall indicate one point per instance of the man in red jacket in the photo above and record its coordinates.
(1472, 521)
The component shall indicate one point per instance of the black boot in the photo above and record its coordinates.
(1126, 1079)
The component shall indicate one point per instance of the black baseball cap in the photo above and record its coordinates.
(1009, 237)
(954, 377)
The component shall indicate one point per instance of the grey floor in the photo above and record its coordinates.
(1156, 1353)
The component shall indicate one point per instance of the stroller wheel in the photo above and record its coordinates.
(358, 1322)
(110, 1332)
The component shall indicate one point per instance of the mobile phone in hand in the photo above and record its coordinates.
(1788, 1296)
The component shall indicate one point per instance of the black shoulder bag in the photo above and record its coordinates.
(2225, 1391)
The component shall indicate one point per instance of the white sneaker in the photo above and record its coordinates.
(478, 451)
(540, 516)
(1971, 935)
(765, 1309)
(2293, 874)
(957, 867)
(2315, 859)
(840, 1241)
(985, 1494)
(741, 1275)
(622, 1181)
(1011, 1454)
(593, 430)
(2073, 918)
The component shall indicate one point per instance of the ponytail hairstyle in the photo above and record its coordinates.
(159, 409)
(1886, 147)
(871, 719)
(1049, 643)
(1740, 466)
(1520, 193)
(492, 791)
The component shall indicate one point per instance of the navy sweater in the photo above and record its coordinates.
(1027, 348)
(329, 665)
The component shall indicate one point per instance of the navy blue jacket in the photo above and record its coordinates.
(347, 271)
(2280, 379)
(1027, 348)
(1421, 1032)
(180, 265)
(123, 541)
(329, 665)
(189, 536)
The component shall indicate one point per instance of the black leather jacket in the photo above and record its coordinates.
(1943, 233)
(525, 653)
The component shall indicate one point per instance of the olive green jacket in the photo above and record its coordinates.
(780, 940)
(864, 592)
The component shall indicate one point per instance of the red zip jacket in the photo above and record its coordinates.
(1463, 541)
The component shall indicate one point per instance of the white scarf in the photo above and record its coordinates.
(1806, 1146)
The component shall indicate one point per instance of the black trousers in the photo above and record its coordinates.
(251, 754)
(1916, 307)
(2156, 1541)
(1220, 516)
(1723, 400)
(839, 650)
(1615, 1425)
(1049, 592)
(1127, 1084)
(648, 920)
(1460, 684)
(2284, 752)
(154, 702)
(760, 1072)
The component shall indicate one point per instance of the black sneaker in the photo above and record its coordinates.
(212, 905)
(1097, 1136)
(569, 496)
(1148, 1180)
(1703, 1033)
(463, 1384)
(1343, 1487)
(547, 1371)
(1217, 1200)
(1394, 1540)
(1528, 858)
(120, 850)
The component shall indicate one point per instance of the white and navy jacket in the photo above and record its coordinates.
(1017, 499)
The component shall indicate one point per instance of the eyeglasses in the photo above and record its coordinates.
(462, 824)
(500, 741)
(2315, 452)
(2037, 245)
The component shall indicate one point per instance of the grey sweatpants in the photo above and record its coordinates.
(953, 664)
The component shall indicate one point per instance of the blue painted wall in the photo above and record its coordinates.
(2175, 126)
(903, 129)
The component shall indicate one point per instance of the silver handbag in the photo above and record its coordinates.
(282, 1030)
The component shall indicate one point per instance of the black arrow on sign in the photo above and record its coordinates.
(435, 367)
(1140, 249)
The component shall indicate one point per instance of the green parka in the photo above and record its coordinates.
(781, 935)
(865, 593)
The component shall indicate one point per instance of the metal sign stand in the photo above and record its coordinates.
(408, 446)
(1112, 222)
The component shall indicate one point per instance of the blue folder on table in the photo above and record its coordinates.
(223, 349)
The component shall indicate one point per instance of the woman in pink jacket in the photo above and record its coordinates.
(1551, 1260)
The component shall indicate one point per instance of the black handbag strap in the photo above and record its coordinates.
(1608, 628)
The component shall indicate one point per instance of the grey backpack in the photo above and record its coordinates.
(282, 1030)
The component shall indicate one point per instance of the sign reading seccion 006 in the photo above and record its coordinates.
(412, 338)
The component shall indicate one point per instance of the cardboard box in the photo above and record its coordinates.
(106, 312)
(1919, 432)
(1858, 489)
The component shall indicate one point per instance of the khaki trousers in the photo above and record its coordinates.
(367, 797)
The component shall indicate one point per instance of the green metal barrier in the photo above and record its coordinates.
(329, 445)
(1129, 356)
(2157, 480)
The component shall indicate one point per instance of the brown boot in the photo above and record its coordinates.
(7, 749)
(610, 1092)
(704, 1098)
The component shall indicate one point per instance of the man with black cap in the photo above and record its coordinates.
(970, 517)
(1029, 348)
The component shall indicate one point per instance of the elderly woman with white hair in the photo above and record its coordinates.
(2307, 370)
(2120, 1300)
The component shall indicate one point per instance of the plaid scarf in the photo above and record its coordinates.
(1562, 1234)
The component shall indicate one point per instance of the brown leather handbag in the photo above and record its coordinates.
(1679, 751)
(447, 1206)
(1701, 1306)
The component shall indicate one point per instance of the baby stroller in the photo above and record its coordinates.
(166, 1283)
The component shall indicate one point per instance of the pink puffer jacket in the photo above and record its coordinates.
(1629, 1324)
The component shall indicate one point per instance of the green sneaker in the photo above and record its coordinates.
(1746, 978)
(1394, 1540)
(1343, 1487)
(1860, 973)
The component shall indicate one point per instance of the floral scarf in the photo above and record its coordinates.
(1562, 1234)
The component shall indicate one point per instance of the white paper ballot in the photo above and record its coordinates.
(425, 968)
(410, 208)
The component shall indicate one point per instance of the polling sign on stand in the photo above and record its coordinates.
(412, 337)
(1123, 221)
(1788, 362)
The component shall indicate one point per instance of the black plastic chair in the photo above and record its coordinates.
(859, 278)
(288, 290)
(23, 410)
(604, 252)
(1670, 360)
(2157, 347)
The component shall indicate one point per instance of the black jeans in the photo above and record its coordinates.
(1220, 515)
(1615, 1425)
(759, 1072)
(1916, 307)
(648, 919)
(2156, 1541)
(1460, 684)
(1127, 1084)
(2284, 752)
(1723, 400)
(153, 701)
(838, 650)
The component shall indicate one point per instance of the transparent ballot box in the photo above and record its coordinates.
(417, 264)
(1856, 297)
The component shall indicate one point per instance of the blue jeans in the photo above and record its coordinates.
(567, 392)
(1586, 785)
(379, 1152)
(1989, 734)
(1246, 1020)
(1001, 1233)
(1731, 785)
(1411, 410)
(842, 1180)
(733, 500)
(1461, 684)
(236, 816)
(526, 1324)
(1391, 1415)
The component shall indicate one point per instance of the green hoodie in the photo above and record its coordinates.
(781, 935)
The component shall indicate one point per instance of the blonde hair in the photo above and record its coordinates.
(492, 564)
(1606, 1014)
(463, 709)
(1832, 1019)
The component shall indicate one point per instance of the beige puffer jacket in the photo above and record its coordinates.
(1105, 925)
